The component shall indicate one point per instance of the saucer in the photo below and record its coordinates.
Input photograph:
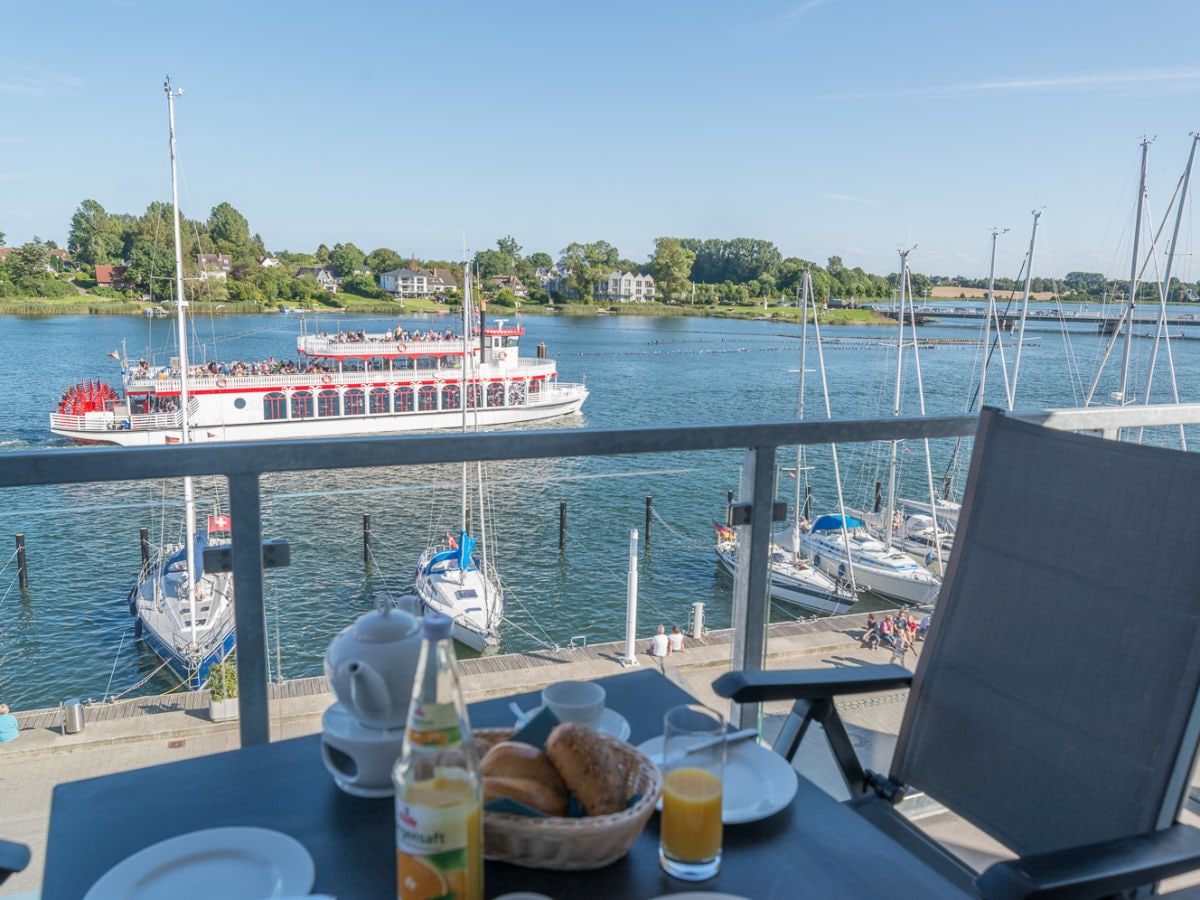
(610, 722)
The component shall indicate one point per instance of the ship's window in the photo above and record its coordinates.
(495, 393)
(404, 399)
(302, 405)
(274, 406)
(427, 362)
(354, 364)
(381, 401)
(239, 403)
(451, 397)
(402, 362)
(516, 393)
(354, 402)
(535, 388)
(427, 398)
(328, 403)
(474, 396)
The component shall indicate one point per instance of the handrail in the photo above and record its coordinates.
(245, 462)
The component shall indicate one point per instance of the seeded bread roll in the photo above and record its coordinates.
(588, 768)
(527, 791)
(512, 759)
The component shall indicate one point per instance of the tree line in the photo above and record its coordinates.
(685, 270)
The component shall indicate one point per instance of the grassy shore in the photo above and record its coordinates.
(85, 304)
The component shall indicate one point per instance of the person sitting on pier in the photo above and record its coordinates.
(9, 730)
(870, 636)
(675, 641)
(659, 645)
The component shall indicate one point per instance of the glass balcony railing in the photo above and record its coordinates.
(244, 466)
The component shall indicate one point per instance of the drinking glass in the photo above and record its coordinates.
(689, 844)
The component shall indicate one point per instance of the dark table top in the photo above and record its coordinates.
(815, 848)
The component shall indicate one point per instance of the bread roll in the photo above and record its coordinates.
(588, 767)
(513, 759)
(527, 791)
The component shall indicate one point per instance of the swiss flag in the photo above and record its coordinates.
(218, 523)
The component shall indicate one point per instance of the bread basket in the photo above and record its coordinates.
(573, 844)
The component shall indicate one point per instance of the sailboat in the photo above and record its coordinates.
(840, 545)
(452, 578)
(792, 576)
(185, 613)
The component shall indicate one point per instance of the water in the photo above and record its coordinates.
(71, 633)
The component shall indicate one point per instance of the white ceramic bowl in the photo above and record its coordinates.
(575, 701)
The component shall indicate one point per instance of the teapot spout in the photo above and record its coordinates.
(369, 695)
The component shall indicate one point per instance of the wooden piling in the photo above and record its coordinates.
(22, 571)
(366, 539)
(649, 517)
(144, 539)
(562, 524)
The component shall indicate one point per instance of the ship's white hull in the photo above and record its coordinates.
(208, 425)
(798, 584)
(890, 573)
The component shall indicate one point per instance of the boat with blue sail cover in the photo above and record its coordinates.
(837, 542)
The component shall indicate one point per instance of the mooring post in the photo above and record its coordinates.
(144, 538)
(366, 539)
(631, 598)
(22, 572)
(649, 516)
(562, 524)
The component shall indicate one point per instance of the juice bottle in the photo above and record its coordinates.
(439, 822)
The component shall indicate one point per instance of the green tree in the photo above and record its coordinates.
(27, 266)
(588, 264)
(540, 260)
(671, 266)
(322, 255)
(94, 236)
(382, 260)
(493, 262)
(1, 238)
(346, 259)
(834, 267)
(151, 265)
(230, 233)
(509, 247)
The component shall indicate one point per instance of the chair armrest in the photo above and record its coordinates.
(1095, 870)
(761, 686)
(13, 858)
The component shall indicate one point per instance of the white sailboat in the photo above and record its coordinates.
(184, 613)
(792, 576)
(840, 545)
(452, 578)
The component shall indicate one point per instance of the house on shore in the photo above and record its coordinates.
(323, 276)
(626, 287)
(414, 282)
(214, 265)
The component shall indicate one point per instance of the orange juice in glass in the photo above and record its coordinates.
(690, 830)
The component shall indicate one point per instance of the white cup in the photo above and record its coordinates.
(575, 701)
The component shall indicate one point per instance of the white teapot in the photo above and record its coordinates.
(370, 665)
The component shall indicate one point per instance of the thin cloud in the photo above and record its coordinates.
(847, 198)
(13, 176)
(1089, 81)
(802, 9)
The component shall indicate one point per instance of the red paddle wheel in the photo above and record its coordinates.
(87, 396)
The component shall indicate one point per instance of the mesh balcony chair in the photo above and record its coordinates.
(13, 858)
(1054, 704)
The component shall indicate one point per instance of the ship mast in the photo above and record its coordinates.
(189, 493)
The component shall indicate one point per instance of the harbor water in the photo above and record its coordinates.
(71, 633)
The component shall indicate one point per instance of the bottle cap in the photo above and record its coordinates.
(436, 627)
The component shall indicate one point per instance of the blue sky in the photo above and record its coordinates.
(847, 127)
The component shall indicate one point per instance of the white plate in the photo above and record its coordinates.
(231, 863)
(758, 782)
(611, 722)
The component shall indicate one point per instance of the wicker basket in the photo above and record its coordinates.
(569, 844)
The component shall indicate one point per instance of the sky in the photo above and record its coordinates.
(852, 128)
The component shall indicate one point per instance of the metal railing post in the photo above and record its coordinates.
(751, 609)
(245, 505)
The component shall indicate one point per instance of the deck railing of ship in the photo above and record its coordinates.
(245, 464)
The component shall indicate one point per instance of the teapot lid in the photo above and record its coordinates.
(385, 625)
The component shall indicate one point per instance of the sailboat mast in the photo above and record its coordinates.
(189, 492)
(466, 378)
(891, 498)
(1012, 398)
(1133, 276)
